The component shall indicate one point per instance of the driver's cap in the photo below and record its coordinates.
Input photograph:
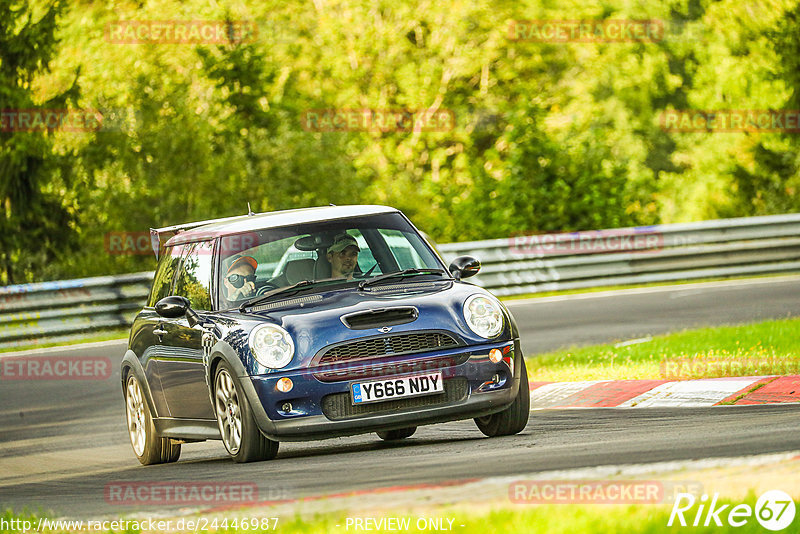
(242, 260)
(342, 241)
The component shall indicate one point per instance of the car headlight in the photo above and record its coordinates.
(483, 316)
(272, 346)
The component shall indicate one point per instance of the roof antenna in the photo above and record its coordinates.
(249, 211)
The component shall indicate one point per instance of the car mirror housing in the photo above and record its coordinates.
(313, 242)
(464, 267)
(173, 307)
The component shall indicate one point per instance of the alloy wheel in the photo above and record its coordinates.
(134, 402)
(228, 409)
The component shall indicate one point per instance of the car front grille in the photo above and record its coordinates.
(395, 345)
(339, 406)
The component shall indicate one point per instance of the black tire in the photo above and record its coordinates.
(252, 445)
(513, 419)
(148, 446)
(401, 433)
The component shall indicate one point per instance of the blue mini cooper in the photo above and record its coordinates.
(309, 324)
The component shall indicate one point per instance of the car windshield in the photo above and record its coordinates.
(329, 252)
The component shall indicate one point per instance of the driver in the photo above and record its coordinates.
(240, 278)
(343, 256)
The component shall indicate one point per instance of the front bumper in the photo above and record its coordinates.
(318, 406)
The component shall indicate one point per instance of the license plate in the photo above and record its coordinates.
(397, 388)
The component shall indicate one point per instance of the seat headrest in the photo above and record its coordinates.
(297, 270)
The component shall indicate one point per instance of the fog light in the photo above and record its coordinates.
(498, 380)
(284, 385)
(495, 355)
(287, 407)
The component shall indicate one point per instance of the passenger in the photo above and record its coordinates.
(343, 256)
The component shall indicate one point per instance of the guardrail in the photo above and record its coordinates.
(62, 310)
(661, 253)
(67, 309)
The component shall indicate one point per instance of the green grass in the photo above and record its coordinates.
(504, 517)
(774, 344)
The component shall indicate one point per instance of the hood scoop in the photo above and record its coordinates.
(377, 318)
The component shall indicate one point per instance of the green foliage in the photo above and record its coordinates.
(771, 183)
(531, 183)
(547, 136)
(34, 219)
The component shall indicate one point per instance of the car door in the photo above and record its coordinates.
(181, 358)
(150, 328)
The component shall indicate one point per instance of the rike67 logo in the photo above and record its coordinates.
(774, 510)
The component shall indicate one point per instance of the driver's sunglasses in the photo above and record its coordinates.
(237, 280)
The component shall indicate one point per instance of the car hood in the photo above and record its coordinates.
(315, 320)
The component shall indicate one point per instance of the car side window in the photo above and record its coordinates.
(165, 273)
(194, 278)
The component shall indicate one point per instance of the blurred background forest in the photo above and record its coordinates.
(547, 137)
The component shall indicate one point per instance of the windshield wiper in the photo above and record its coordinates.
(269, 294)
(398, 274)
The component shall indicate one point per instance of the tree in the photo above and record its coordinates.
(771, 182)
(35, 225)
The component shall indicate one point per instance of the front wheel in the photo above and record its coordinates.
(513, 419)
(402, 433)
(240, 434)
(148, 446)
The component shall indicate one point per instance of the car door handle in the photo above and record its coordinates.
(159, 332)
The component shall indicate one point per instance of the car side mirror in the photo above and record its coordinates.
(174, 306)
(464, 267)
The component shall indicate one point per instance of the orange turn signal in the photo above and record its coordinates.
(284, 385)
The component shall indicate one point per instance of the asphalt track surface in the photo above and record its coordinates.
(63, 442)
